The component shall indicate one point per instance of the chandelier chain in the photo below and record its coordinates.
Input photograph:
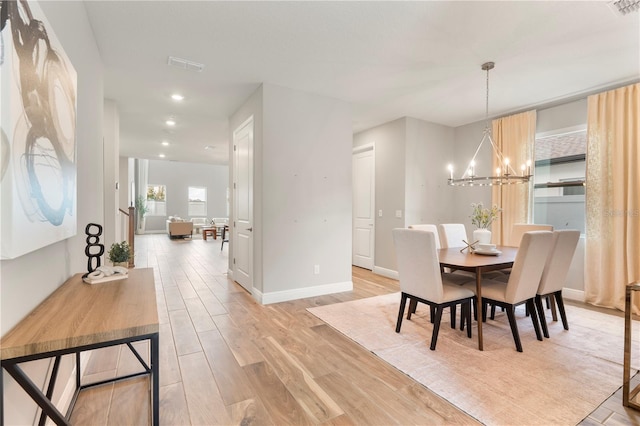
(486, 114)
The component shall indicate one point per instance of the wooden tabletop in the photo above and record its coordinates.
(79, 314)
(452, 257)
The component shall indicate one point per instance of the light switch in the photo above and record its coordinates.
(379, 213)
(398, 213)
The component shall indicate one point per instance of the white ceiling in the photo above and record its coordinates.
(387, 59)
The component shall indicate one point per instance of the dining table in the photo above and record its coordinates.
(457, 258)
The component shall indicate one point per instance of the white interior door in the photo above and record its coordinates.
(363, 207)
(243, 205)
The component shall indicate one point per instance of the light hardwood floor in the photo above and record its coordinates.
(225, 359)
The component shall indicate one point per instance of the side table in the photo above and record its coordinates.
(628, 394)
(209, 231)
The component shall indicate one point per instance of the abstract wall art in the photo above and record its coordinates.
(38, 87)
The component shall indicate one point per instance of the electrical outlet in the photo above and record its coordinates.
(316, 269)
(398, 213)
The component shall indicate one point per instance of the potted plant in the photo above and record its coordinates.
(119, 254)
(483, 218)
(141, 208)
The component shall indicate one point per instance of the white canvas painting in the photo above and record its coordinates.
(38, 87)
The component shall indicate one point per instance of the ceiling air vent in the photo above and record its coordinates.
(185, 64)
(622, 7)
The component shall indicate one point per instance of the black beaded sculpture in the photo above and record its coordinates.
(93, 245)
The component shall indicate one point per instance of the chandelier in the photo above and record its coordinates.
(505, 174)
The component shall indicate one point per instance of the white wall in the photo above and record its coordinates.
(306, 190)
(390, 144)
(301, 192)
(29, 279)
(562, 116)
(178, 177)
(411, 176)
(111, 147)
(428, 198)
(126, 177)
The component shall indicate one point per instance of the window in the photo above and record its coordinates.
(197, 201)
(559, 191)
(156, 200)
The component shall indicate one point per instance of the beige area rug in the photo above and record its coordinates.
(559, 381)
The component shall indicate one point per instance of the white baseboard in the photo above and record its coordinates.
(301, 293)
(573, 294)
(256, 294)
(389, 273)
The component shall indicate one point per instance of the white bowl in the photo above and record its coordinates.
(486, 247)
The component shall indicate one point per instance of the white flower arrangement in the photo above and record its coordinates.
(484, 217)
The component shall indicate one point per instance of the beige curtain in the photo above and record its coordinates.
(613, 196)
(514, 136)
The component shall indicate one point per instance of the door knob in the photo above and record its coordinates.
(250, 229)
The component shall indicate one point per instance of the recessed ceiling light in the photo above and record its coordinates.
(209, 147)
(170, 122)
(177, 97)
(161, 155)
(165, 143)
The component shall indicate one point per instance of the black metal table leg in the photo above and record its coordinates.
(155, 379)
(36, 394)
(50, 388)
(1, 397)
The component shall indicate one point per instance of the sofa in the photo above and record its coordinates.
(179, 228)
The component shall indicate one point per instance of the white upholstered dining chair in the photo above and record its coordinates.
(555, 273)
(459, 278)
(452, 235)
(428, 227)
(421, 279)
(518, 230)
(523, 282)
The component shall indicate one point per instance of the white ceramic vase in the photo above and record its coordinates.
(482, 236)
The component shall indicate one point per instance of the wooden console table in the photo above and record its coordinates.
(78, 317)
